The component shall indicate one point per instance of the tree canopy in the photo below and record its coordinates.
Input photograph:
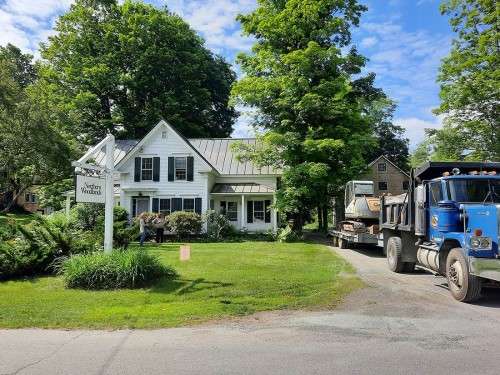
(470, 83)
(31, 149)
(312, 100)
(121, 67)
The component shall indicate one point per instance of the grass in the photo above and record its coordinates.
(220, 280)
(19, 218)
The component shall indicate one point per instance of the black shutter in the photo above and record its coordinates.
(197, 205)
(223, 207)
(250, 212)
(171, 161)
(176, 204)
(156, 169)
(190, 168)
(156, 205)
(137, 170)
(267, 211)
(134, 204)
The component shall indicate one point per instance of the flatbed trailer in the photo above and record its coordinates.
(344, 239)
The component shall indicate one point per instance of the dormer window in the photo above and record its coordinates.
(181, 168)
(147, 169)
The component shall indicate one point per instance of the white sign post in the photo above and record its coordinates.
(109, 204)
(98, 190)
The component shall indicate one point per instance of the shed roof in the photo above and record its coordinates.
(241, 188)
(122, 148)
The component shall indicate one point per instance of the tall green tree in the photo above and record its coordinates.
(120, 67)
(470, 81)
(390, 139)
(311, 100)
(31, 150)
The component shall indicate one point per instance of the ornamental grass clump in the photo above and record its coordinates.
(120, 269)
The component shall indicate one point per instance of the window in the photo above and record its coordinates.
(473, 191)
(165, 206)
(147, 169)
(406, 184)
(435, 193)
(212, 204)
(258, 210)
(30, 198)
(382, 167)
(232, 211)
(180, 165)
(188, 205)
(382, 185)
(27, 197)
(33, 198)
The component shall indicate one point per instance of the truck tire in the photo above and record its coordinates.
(335, 241)
(409, 267)
(394, 251)
(343, 243)
(463, 286)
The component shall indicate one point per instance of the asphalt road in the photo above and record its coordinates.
(400, 324)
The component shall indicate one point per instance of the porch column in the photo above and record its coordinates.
(275, 215)
(243, 217)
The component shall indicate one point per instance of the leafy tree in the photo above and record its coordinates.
(312, 107)
(390, 137)
(120, 67)
(52, 195)
(469, 79)
(31, 150)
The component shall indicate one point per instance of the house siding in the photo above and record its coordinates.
(393, 176)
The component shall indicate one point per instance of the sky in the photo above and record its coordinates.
(404, 41)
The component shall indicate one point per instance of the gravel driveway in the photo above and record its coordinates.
(399, 324)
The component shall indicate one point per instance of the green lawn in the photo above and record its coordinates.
(19, 218)
(220, 280)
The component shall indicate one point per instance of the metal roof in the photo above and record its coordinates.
(122, 148)
(219, 154)
(216, 151)
(250, 188)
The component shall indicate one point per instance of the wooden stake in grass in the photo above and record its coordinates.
(185, 252)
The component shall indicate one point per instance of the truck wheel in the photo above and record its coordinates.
(343, 243)
(409, 267)
(394, 258)
(335, 241)
(463, 286)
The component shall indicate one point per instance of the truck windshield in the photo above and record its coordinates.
(474, 190)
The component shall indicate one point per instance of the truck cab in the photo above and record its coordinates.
(449, 222)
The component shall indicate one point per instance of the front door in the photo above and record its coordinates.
(141, 205)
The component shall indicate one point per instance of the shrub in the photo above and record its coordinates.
(120, 269)
(184, 224)
(32, 248)
(218, 225)
(287, 235)
(88, 216)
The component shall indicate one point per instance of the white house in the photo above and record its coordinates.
(166, 172)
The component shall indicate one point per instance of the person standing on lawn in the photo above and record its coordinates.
(142, 228)
(159, 225)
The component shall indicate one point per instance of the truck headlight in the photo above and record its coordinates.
(480, 243)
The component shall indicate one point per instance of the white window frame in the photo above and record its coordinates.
(165, 212)
(255, 218)
(184, 203)
(180, 169)
(233, 211)
(143, 169)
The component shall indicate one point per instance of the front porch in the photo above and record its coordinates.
(246, 205)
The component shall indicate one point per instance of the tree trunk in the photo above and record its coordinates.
(13, 200)
(320, 218)
(325, 218)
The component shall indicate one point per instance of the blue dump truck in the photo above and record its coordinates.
(449, 223)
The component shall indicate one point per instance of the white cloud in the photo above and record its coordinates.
(369, 42)
(216, 21)
(415, 128)
(26, 23)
